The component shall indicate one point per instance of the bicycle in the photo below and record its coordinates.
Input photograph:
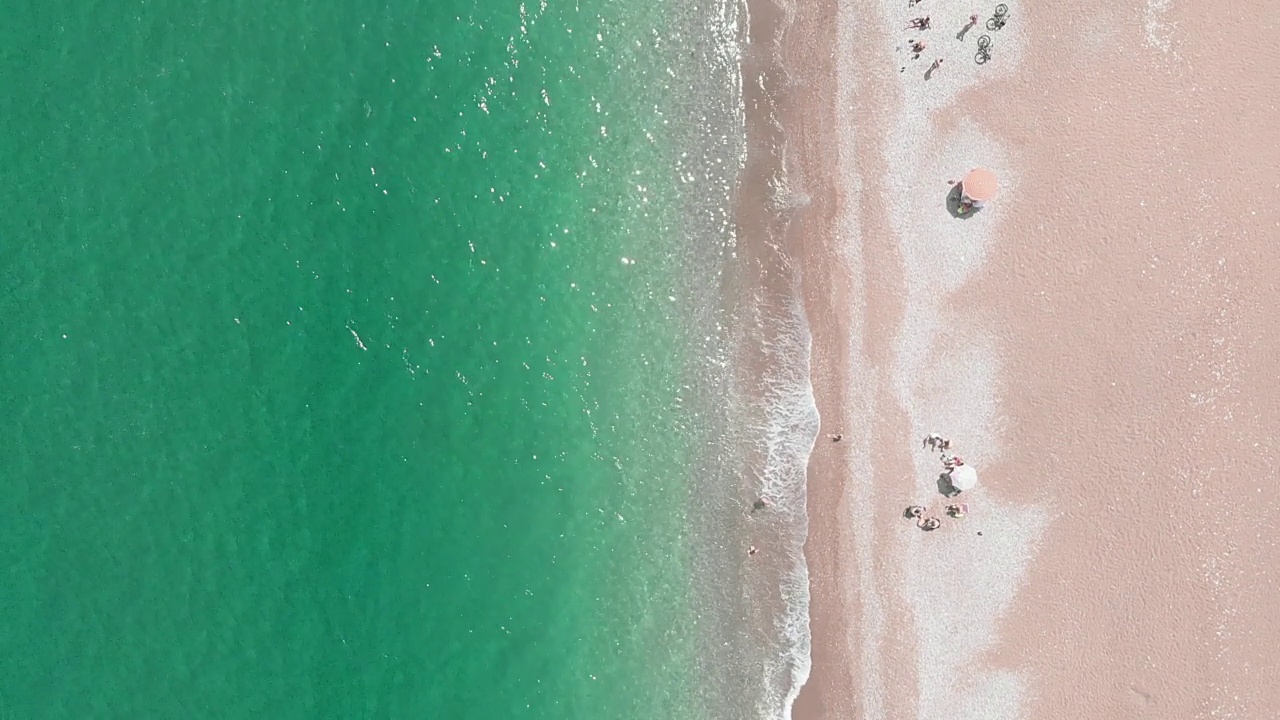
(984, 50)
(998, 20)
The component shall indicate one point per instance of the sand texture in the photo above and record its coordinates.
(1100, 343)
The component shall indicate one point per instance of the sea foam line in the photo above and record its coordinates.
(792, 423)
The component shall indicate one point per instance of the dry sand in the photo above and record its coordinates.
(1100, 342)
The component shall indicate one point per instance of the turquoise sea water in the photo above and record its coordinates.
(349, 361)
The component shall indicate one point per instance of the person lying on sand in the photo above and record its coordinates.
(958, 510)
(915, 511)
(753, 550)
(836, 438)
(920, 23)
(928, 524)
(917, 47)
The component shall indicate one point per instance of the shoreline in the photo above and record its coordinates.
(758, 620)
(824, 144)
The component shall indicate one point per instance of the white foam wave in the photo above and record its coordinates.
(774, 422)
(790, 432)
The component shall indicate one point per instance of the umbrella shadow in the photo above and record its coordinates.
(953, 204)
(945, 488)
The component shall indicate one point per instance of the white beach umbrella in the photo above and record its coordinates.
(963, 477)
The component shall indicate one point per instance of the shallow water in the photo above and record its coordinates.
(361, 359)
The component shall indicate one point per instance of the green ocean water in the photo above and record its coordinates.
(328, 390)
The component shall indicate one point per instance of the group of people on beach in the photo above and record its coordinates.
(930, 522)
(937, 443)
(918, 46)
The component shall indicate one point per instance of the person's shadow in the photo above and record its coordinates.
(965, 31)
(953, 204)
(945, 487)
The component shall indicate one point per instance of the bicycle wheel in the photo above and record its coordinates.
(984, 42)
(994, 24)
(1002, 9)
(982, 57)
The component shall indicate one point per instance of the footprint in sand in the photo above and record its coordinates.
(1140, 697)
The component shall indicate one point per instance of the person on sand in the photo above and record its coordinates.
(917, 47)
(928, 524)
(915, 511)
(753, 550)
(836, 438)
(932, 440)
(958, 510)
(920, 23)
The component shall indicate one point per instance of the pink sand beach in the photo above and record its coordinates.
(1100, 343)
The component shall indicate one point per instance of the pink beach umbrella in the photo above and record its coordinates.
(963, 477)
(979, 186)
